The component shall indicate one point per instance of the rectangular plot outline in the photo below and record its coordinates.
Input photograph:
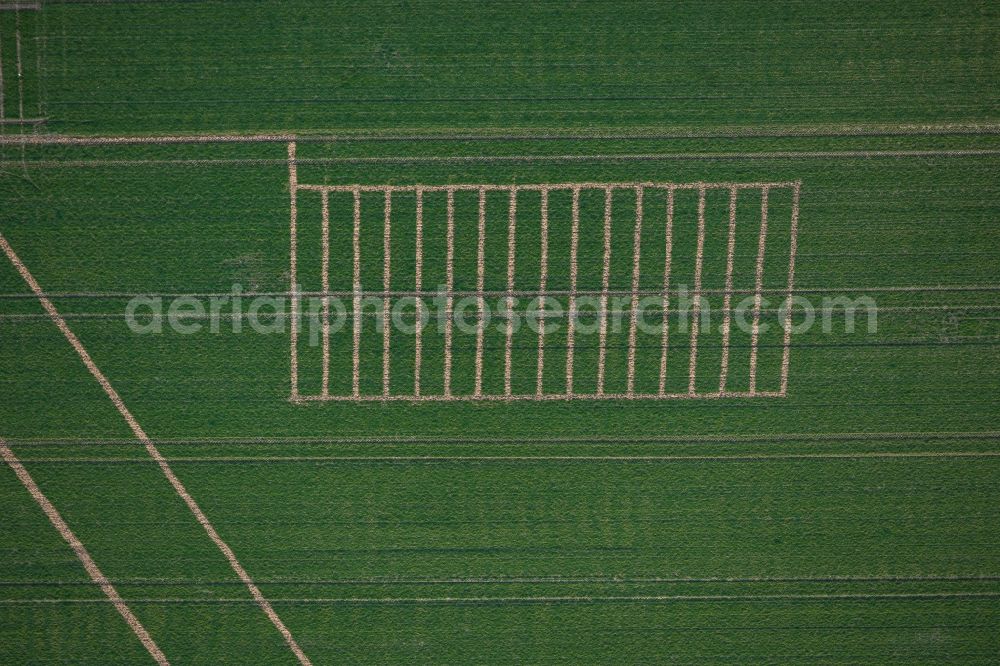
(544, 189)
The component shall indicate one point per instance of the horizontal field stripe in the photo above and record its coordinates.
(21, 121)
(912, 596)
(551, 187)
(529, 580)
(433, 459)
(567, 439)
(493, 159)
(819, 131)
(193, 316)
(950, 345)
(516, 292)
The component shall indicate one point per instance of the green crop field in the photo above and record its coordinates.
(761, 423)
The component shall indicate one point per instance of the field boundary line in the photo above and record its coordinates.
(555, 397)
(154, 452)
(82, 554)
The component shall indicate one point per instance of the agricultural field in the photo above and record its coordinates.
(711, 356)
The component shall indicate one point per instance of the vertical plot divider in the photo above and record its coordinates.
(480, 286)
(511, 248)
(668, 252)
(356, 352)
(728, 292)
(542, 285)
(2, 112)
(602, 352)
(386, 286)
(793, 241)
(418, 287)
(450, 289)
(293, 186)
(571, 322)
(634, 308)
(696, 304)
(325, 282)
(758, 288)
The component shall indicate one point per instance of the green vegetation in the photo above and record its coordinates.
(852, 521)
